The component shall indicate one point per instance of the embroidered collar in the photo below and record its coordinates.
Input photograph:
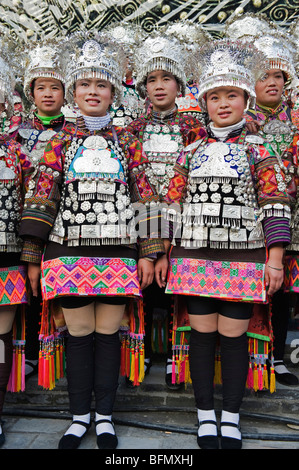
(233, 131)
(164, 116)
(53, 124)
(281, 112)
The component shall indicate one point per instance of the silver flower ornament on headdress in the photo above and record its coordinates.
(159, 52)
(42, 61)
(89, 57)
(225, 63)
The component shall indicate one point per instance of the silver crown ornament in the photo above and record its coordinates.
(42, 61)
(229, 63)
(159, 52)
(93, 56)
(267, 38)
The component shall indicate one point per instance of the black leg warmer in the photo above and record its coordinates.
(79, 371)
(106, 371)
(234, 368)
(202, 367)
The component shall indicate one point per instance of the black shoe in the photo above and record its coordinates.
(230, 442)
(106, 440)
(285, 378)
(71, 441)
(208, 441)
(168, 379)
(2, 436)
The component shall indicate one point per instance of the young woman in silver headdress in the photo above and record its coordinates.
(15, 171)
(164, 131)
(44, 87)
(221, 265)
(81, 210)
(273, 116)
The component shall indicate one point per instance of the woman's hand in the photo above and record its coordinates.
(254, 126)
(146, 272)
(161, 268)
(34, 277)
(274, 272)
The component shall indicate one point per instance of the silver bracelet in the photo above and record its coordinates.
(276, 269)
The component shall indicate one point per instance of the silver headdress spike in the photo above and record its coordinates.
(159, 52)
(229, 63)
(8, 72)
(294, 35)
(88, 55)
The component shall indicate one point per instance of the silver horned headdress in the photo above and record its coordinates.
(159, 52)
(89, 57)
(279, 53)
(229, 63)
(42, 61)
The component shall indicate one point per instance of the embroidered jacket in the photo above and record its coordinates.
(281, 137)
(106, 166)
(15, 173)
(172, 188)
(34, 136)
(131, 108)
(234, 200)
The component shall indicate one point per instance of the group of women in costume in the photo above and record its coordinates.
(109, 214)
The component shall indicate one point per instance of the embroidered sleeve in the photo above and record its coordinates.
(32, 250)
(41, 202)
(273, 199)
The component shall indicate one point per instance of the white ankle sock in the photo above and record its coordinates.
(206, 429)
(230, 431)
(77, 429)
(104, 427)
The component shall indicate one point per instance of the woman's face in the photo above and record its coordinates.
(93, 96)
(48, 94)
(226, 106)
(269, 89)
(162, 89)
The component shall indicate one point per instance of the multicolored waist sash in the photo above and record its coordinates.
(13, 285)
(89, 276)
(291, 274)
(224, 279)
